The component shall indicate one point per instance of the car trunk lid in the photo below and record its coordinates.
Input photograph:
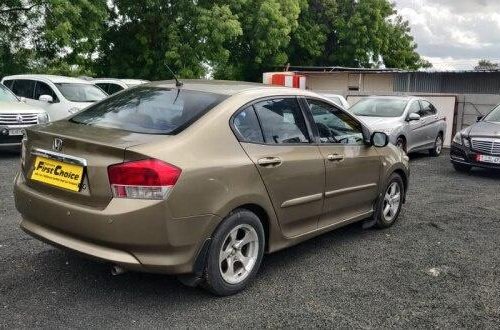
(78, 147)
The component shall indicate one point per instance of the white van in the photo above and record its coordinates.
(59, 96)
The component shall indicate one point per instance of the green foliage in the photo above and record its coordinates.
(487, 65)
(145, 36)
(354, 33)
(228, 39)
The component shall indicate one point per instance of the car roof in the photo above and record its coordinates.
(226, 87)
(52, 78)
(125, 81)
(393, 97)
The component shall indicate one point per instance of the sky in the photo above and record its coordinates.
(454, 34)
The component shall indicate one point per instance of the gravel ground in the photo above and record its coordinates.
(437, 267)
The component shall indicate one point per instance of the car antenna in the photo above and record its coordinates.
(178, 83)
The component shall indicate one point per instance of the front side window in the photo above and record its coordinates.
(494, 115)
(334, 125)
(75, 92)
(24, 88)
(6, 95)
(9, 84)
(379, 107)
(44, 89)
(282, 121)
(103, 86)
(114, 88)
(427, 109)
(151, 110)
(415, 108)
(247, 125)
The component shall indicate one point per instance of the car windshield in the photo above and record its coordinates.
(6, 95)
(151, 110)
(371, 107)
(494, 115)
(76, 92)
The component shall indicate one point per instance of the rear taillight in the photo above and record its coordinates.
(143, 179)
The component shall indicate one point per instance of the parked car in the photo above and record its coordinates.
(202, 179)
(59, 96)
(412, 123)
(112, 86)
(478, 145)
(337, 99)
(15, 116)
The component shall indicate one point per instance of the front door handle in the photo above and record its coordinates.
(335, 157)
(269, 162)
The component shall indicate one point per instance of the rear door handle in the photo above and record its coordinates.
(335, 157)
(269, 161)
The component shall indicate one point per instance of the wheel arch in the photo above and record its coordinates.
(404, 177)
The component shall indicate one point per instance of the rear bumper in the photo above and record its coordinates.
(462, 155)
(138, 236)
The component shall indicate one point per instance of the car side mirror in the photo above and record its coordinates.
(22, 99)
(479, 118)
(46, 98)
(413, 117)
(379, 139)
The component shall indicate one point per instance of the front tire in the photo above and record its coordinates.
(235, 253)
(389, 204)
(438, 146)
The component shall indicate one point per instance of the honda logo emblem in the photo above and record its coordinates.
(57, 144)
(19, 119)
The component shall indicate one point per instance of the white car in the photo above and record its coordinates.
(15, 116)
(112, 85)
(337, 99)
(59, 96)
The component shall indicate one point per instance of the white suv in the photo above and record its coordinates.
(15, 116)
(59, 96)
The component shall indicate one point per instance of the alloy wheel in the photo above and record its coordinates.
(238, 254)
(392, 202)
(439, 145)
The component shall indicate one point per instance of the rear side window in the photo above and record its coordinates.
(151, 110)
(282, 121)
(247, 126)
(24, 88)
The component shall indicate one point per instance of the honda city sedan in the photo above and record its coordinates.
(202, 179)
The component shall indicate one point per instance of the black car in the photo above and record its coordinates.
(478, 145)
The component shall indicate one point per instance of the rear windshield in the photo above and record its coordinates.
(147, 109)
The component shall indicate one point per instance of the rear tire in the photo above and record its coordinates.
(235, 253)
(438, 146)
(389, 204)
(462, 168)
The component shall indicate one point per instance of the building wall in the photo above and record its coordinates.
(335, 82)
(341, 82)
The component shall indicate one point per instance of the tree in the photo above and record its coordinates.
(487, 65)
(354, 33)
(144, 36)
(267, 27)
(50, 36)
